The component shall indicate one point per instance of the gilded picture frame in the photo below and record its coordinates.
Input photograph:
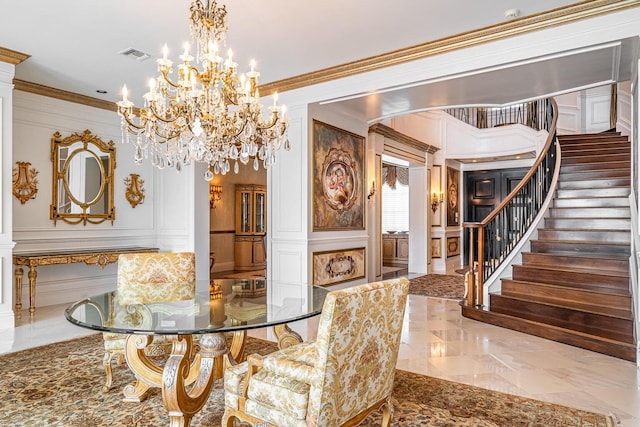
(453, 197)
(333, 267)
(338, 179)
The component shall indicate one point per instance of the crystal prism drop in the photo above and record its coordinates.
(256, 165)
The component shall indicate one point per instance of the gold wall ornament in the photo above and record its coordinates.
(25, 183)
(83, 171)
(135, 189)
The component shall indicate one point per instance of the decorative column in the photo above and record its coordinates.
(8, 61)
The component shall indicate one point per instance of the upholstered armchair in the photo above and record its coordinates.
(336, 380)
(145, 278)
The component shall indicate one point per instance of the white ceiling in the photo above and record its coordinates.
(75, 44)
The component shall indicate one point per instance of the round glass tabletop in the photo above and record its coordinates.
(217, 306)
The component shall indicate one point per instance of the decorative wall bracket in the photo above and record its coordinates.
(25, 183)
(135, 189)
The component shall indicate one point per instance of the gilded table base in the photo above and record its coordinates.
(187, 376)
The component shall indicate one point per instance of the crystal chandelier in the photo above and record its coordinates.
(210, 114)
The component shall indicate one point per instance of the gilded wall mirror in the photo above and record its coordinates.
(83, 169)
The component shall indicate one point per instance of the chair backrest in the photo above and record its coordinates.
(156, 277)
(358, 340)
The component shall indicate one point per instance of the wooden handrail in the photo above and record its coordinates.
(475, 277)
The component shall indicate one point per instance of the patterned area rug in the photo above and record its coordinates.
(60, 385)
(450, 286)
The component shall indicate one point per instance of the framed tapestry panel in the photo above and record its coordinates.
(453, 246)
(331, 267)
(453, 180)
(338, 178)
(436, 251)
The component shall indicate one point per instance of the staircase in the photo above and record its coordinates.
(573, 286)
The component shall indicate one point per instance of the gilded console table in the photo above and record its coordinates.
(99, 257)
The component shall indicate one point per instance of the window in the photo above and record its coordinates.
(395, 208)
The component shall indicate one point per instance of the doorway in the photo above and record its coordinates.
(395, 217)
(483, 191)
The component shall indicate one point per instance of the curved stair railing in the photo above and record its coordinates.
(493, 239)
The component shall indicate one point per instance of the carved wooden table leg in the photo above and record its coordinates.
(185, 384)
(286, 336)
(181, 403)
(19, 274)
(32, 289)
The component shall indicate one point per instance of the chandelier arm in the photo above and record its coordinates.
(165, 76)
(126, 114)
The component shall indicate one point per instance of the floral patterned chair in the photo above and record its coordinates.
(336, 380)
(142, 279)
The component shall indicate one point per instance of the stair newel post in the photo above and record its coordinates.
(470, 275)
(480, 273)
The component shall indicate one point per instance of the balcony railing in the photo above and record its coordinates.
(532, 114)
(496, 236)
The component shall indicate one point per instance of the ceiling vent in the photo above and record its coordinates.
(136, 54)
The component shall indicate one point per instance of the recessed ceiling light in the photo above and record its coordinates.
(511, 13)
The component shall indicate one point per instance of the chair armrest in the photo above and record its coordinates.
(254, 363)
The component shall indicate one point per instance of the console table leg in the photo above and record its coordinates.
(19, 273)
(32, 289)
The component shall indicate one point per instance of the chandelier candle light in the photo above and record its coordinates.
(210, 114)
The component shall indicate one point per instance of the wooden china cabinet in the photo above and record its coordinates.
(251, 227)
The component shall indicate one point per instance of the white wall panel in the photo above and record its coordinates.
(36, 119)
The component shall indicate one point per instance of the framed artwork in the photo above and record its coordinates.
(331, 267)
(338, 178)
(436, 195)
(436, 251)
(453, 246)
(453, 180)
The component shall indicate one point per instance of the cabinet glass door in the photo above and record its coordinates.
(245, 212)
(260, 212)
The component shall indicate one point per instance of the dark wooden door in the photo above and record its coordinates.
(483, 191)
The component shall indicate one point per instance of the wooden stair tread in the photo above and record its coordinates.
(564, 269)
(582, 242)
(573, 305)
(602, 345)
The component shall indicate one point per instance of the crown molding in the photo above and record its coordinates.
(12, 56)
(393, 134)
(64, 95)
(526, 24)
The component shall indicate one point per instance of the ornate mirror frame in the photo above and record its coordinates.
(91, 146)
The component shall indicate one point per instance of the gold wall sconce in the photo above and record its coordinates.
(135, 189)
(215, 194)
(436, 200)
(372, 191)
(25, 183)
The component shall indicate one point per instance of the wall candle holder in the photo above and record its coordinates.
(25, 183)
(135, 190)
(436, 200)
(215, 194)
(372, 192)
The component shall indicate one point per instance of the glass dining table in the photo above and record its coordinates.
(197, 331)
